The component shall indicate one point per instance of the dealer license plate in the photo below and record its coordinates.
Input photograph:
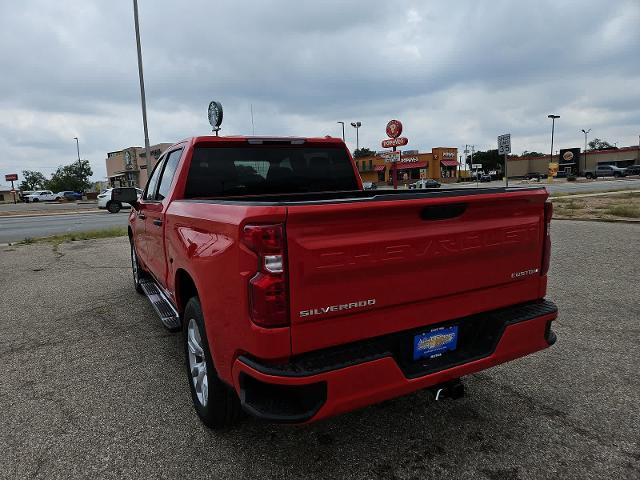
(435, 342)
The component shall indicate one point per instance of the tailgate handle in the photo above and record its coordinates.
(443, 212)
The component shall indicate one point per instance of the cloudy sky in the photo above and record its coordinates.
(455, 73)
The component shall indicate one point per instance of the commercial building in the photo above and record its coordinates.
(129, 167)
(573, 160)
(7, 195)
(440, 164)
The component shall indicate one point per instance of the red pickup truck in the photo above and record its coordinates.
(302, 296)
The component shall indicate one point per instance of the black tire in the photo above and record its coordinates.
(114, 207)
(588, 176)
(222, 408)
(616, 175)
(35, 200)
(136, 269)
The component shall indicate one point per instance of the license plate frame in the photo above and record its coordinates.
(435, 342)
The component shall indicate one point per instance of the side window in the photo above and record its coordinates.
(170, 168)
(152, 183)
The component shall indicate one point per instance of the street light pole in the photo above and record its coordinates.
(357, 126)
(140, 74)
(585, 149)
(77, 148)
(342, 123)
(553, 124)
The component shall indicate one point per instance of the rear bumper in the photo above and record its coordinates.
(328, 382)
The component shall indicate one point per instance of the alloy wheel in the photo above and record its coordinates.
(197, 363)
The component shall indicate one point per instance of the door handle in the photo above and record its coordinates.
(157, 222)
(142, 216)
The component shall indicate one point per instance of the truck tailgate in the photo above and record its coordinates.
(369, 268)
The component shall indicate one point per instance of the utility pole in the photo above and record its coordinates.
(141, 75)
(553, 124)
(585, 150)
(357, 126)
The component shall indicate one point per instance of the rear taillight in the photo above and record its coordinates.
(546, 252)
(268, 300)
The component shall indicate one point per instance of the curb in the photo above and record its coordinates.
(597, 194)
(605, 220)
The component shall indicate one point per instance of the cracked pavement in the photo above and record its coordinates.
(92, 386)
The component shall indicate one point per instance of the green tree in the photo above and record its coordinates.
(597, 144)
(363, 152)
(527, 153)
(74, 176)
(32, 180)
(490, 160)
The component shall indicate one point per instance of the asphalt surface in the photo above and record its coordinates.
(92, 386)
(562, 186)
(16, 228)
(26, 225)
(47, 207)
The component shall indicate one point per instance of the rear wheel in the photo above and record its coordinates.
(35, 200)
(215, 402)
(114, 207)
(588, 175)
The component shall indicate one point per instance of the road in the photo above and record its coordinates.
(92, 386)
(563, 186)
(18, 228)
(13, 229)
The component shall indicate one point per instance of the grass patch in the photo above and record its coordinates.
(72, 237)
(627, 211)
(574, 205)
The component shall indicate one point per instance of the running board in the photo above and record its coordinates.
(161, 304)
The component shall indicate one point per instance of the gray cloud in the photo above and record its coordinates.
(454, 72)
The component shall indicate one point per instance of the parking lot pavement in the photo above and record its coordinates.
(91, 385)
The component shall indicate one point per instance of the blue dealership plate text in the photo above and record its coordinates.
(435, 342)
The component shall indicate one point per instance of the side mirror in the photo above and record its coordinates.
(125, 195)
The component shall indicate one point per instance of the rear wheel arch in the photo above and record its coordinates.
(185, 288)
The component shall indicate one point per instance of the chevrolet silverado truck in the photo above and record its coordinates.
(301, 295)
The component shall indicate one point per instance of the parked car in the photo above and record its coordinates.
(533, 176)
(104, 201)
(485, 177)
(68, 195)
(425, 183)
(606, 171)
(40, 196)
(23, 195)
(369, 186)
(632, 170)
(299, 302)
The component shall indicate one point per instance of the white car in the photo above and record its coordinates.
(104, 201)
(40, 196)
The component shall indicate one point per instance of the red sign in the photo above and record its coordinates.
(11, 177)
(394, 142)
(394, 129)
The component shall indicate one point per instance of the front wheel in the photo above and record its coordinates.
(114, 207)
(216, 403)
(136, 269)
